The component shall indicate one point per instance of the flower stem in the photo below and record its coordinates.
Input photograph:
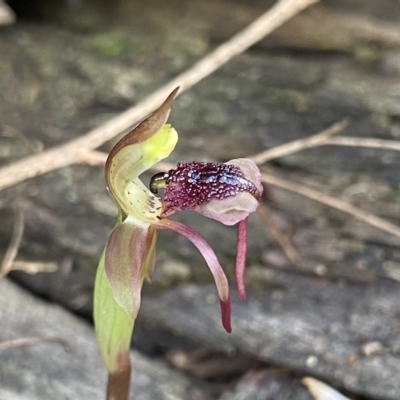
(118, 381)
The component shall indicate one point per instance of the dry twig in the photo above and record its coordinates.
(323, 138)
(9, 264)
(76, 150)
(11, 253)
(278, 236)
(362, 142)
(8, 344)
(333, 202)
(297, 145)
(32, 268)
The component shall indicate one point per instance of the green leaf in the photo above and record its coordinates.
(113, 325)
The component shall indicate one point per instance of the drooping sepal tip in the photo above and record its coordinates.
(226, 314)
(216, 270)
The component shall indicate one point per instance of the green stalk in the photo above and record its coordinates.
(114, 329)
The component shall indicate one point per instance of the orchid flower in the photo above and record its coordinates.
(225, 192)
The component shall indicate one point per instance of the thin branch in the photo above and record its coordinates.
(299, 144)
(33, 268)
(362, 142)
(334, 203)
(278, 236)
(11, 253)
(75, 151)
(320, 139)
(9, 344)
(94, 158)
(9, 264)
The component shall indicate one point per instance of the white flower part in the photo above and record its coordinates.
(235, 208)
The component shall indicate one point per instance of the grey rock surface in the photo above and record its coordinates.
(47, 371)
(267, 384)
(305, 323)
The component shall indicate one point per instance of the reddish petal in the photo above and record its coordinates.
(211, 259)
(241, 257)
(125, 251)
(226, 315)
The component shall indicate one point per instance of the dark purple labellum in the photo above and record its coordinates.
(194, 183)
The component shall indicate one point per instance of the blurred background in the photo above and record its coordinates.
(66, 66)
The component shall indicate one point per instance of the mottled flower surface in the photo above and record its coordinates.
(226, 192)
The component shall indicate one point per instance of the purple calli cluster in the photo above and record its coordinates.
(226, 192)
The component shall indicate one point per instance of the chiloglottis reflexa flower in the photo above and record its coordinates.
(226, 192)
